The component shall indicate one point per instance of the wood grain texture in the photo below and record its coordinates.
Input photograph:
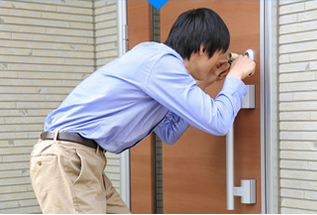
(194, 169)
(141, 177)
(139, 22)
(141, 154)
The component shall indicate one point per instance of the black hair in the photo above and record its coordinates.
(198, 27)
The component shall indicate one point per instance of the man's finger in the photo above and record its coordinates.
(221, 62)
(224, 67)
(224, 73)
(251, 73)
(222, 76)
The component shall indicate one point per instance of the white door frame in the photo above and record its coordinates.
(269, 108)
(122, 24)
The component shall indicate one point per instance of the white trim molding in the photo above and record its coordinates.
(122, 48)
(269, 124)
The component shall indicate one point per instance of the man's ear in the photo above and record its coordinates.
(201, 50)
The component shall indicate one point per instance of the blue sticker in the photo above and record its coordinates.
(158, 3)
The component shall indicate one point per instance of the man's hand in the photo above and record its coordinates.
(242, 67)
(217, 73)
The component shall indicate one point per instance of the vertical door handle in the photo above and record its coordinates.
(247, 190)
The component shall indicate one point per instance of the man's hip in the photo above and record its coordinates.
(68, 177)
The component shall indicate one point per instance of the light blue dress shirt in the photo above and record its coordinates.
(147, 89)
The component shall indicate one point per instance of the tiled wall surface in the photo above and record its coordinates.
(46, 49)
(106, 31)
(298, 105)
(105, 16)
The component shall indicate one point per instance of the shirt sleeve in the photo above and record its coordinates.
(171, 128)
(170, 84)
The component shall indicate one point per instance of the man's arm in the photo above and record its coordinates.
(170, 84)
(171, 128)
(241, 68)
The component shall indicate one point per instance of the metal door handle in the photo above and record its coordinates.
(247, 190)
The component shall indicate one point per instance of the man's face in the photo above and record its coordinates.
(205, 64)
(200, 64)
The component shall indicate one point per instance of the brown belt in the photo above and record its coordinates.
(68, 136)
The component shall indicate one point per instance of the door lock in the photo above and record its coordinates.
(250, 53)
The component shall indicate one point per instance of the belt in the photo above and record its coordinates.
(68, 136)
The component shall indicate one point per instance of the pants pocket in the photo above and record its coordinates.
(73, 166)
(43, 173)
(43, 167)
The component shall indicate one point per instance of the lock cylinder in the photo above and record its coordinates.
(231, 57)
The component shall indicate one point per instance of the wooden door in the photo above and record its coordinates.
(194, 169)
(141, 158)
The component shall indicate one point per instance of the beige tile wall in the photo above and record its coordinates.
(298, 105)
(46, 48)
(105, 15)
(106, 31)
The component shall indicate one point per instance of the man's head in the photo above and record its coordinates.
(198, 27)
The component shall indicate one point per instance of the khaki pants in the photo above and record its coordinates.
(69, 178)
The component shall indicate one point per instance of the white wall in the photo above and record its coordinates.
(298, 105)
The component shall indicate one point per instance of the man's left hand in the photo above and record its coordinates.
(217, 73)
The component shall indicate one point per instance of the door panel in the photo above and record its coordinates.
(141, 159)
(194, 169)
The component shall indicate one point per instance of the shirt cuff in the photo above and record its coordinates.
(235, 84)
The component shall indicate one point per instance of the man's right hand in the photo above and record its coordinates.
(242, 67)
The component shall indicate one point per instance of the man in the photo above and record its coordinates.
(154, 87)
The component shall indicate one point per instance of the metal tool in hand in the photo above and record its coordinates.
(232, 56)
